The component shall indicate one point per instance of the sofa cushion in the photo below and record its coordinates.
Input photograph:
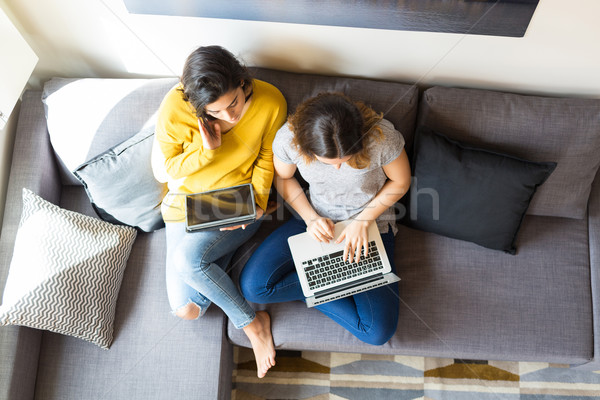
(460, 300)
(151, 355)
(121, 185)
(66, 272)
(470, 193)
(566, 131)
(86, 117)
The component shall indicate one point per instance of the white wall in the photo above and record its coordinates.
(559, 54)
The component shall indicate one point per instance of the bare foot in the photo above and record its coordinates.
(259, 333)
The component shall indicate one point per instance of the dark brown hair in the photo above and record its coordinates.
(331, 125)
(210, 72)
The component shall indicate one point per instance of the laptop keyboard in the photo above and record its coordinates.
(328, 269)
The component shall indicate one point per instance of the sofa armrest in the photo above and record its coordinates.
(20, 348)
(33, 167)
(594, 238)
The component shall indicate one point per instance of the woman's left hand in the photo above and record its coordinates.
(357, 239)
(259, 214)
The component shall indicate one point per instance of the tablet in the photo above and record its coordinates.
(220, 208)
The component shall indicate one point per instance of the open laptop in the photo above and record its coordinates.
(325, 277)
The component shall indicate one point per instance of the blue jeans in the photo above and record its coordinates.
(269, 276)
(196, 270)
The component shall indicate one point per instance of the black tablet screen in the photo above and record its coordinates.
(223, 205)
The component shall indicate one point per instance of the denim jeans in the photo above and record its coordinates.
(196, 270)
(269, 276)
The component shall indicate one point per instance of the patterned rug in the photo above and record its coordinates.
(337, 376)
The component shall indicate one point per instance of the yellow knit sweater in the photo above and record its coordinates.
(245, 154)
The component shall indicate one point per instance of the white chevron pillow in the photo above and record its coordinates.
(66, 272)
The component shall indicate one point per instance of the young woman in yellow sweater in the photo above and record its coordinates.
(215, 129)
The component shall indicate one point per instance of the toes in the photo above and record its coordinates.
(263, 369)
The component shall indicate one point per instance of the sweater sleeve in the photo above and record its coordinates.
(179, 140)
(263, 171)
(262, 175)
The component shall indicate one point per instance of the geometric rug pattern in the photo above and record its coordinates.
(338, 376)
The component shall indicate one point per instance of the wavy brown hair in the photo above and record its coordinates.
(210, 72)
(331, 125)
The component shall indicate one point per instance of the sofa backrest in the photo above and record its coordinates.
(89, 116)
(536, 128)
(397, 101)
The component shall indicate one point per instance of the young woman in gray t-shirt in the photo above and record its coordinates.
(357, 168)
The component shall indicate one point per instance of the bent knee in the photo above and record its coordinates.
(187, 268)
(378, 340)
(188, 312)
(380, 333)
(248, 286)
(249, 290)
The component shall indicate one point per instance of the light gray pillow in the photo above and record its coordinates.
(121, 185)
(66, 272)
(536, 128)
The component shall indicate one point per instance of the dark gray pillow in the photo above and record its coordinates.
(470, 193)
(564, 130)
(121, 185)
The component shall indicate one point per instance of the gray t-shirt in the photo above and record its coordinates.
(340, 194)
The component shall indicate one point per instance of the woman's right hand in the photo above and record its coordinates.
(209, 142)
(320, 228)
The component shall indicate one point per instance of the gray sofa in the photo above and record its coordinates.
(458, 300)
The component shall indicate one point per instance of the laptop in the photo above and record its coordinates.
(220, 208)
(325, 277)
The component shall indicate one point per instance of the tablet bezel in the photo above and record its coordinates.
(227, 222)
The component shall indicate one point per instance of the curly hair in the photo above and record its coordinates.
(331, 125)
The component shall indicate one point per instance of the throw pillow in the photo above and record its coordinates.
(564, 130)
(87, 116)
(470, 193)
(66, 272)
(121, 185)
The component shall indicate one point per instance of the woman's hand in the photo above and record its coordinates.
(259, 213)
(357, 239)
(320, 228)
(272, 206)
(209, 142)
